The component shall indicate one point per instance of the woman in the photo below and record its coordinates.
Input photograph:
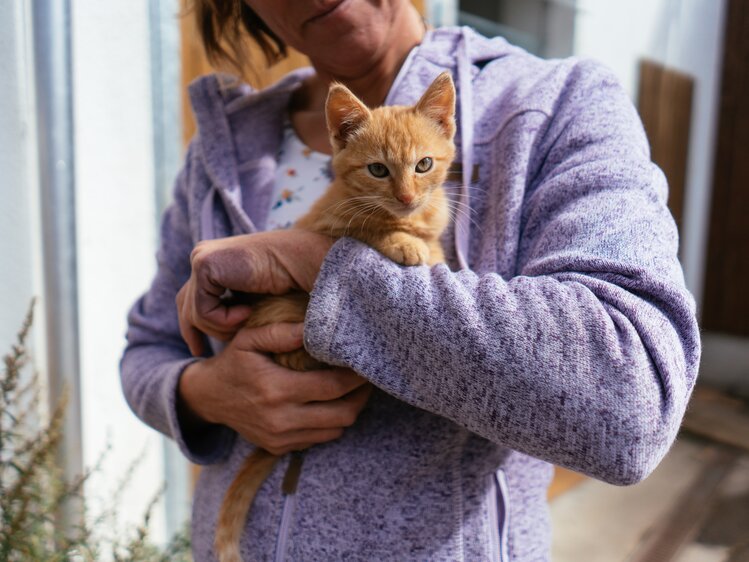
(562, 333)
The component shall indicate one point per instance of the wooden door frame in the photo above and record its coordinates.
(726, 297)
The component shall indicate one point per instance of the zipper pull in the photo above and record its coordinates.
(293, 472)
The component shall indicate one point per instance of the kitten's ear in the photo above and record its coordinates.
(438, 103)
(344, 114)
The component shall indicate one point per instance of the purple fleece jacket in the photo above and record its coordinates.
(569, 339)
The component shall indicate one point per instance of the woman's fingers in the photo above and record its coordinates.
(220, 322)
(300, 440)
(291, 424)
(192, 336)
(272, 338)
(215, 274)
(329, 420)
(261, 263)
(194, 339)
(334, 414)
(204, 303)
(321, 386)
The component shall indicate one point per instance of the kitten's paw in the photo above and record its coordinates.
(405, 249)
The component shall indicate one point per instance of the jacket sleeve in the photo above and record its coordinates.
(156, 355)
(587, 356)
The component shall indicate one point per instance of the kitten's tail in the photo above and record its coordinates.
(237, 503)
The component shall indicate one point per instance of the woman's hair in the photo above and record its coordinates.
(224, 26)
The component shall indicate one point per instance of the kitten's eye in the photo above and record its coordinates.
(424, 165)
(378, 170)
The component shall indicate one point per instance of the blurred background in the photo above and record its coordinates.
(93, 123)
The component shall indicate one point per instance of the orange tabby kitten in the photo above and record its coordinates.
(390, 164)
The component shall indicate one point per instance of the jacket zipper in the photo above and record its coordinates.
(499, 515)
(289, 486)
(289, 505)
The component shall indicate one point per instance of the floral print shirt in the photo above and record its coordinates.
(301, 177)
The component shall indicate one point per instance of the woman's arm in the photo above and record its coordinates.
(587, 357)
(156, 356)
(587, 369)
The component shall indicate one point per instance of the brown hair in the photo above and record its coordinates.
(224, 26)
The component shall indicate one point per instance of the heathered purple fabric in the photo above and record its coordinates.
(571, 339)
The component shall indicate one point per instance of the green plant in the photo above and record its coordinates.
(33, 491)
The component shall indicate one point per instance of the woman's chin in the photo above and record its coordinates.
(346, 38)
(335, 26)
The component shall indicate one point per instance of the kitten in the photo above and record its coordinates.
(390, 164)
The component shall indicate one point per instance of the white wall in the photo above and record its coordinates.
(19, 211)
(441, 12)
(115, 201)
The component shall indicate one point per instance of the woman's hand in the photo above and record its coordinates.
(275, 408)
(269, 262)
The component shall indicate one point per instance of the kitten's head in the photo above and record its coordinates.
(393, 157)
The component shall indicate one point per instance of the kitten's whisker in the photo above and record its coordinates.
(461, 207)
(375, 208)
(459, 204)
(457, 201)
(450, 211)
(341, 206)
(356, 211)
(459, 227)
(473, 223)
(353, 211)
(453, 211)
(351, 201)
(459, 187)
(353, 206)
(454, 208)
(372, 208)
(364, 199)
(362, 209)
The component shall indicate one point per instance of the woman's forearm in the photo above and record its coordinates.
(571, 368)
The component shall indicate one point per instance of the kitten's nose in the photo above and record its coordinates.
(405, 198)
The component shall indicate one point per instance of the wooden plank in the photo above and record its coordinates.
(726, 302)
(665, 105)
(727, 525)
(718, 417)
(599, 522)
(674, 532)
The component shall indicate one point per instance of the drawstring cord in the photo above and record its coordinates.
(462, 215)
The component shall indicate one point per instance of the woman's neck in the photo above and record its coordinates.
(372, 79)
